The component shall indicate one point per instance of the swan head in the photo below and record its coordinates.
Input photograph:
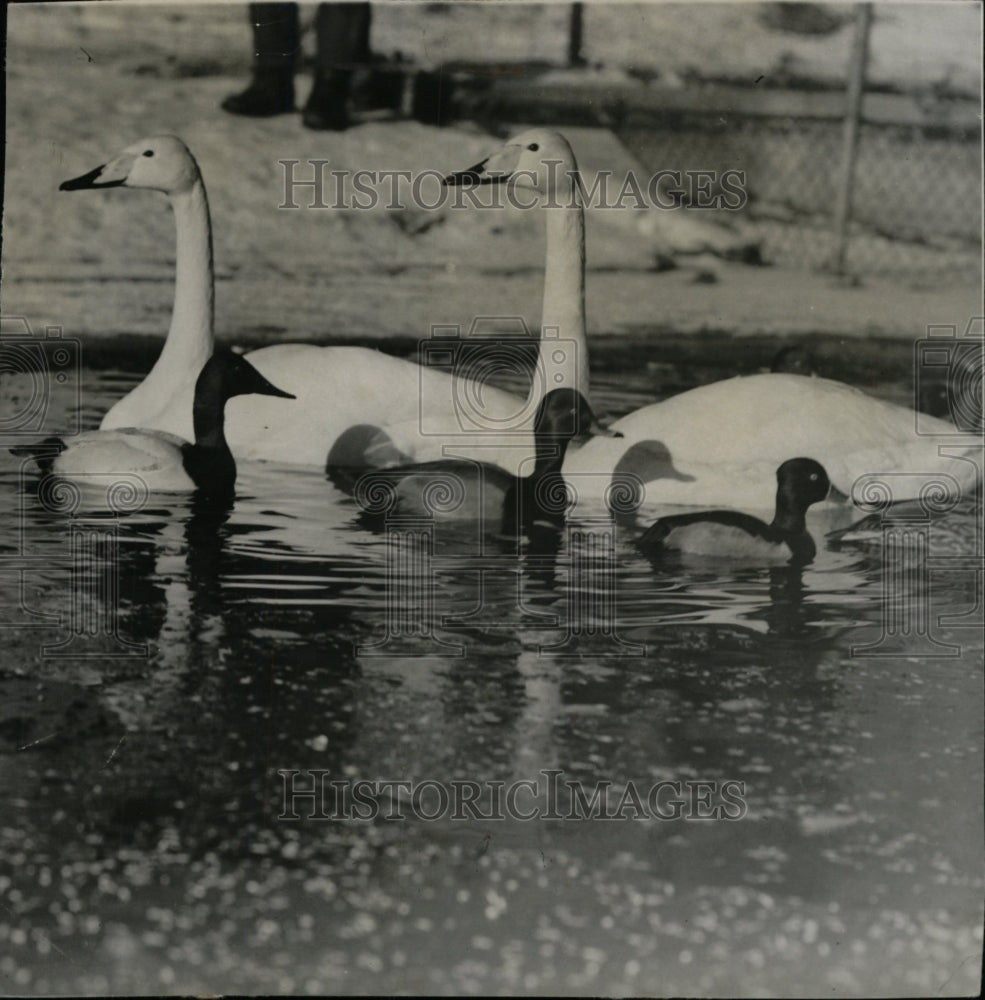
(802, 481)
(537, 160)
(160, 163)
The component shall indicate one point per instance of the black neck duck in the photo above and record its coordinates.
(466, 490)
(164, 462)
(729, 534)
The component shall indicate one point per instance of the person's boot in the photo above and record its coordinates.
(276, 43)
(327, 104)
(271, 92)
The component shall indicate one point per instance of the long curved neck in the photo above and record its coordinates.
(563, 346)
(191, 338)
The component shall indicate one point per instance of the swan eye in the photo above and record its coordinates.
(533, 147)
(148, 152)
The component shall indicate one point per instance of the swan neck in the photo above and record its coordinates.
(190, 339)
(563, 356)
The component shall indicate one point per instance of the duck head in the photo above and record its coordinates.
(160, 163)
(564, 414)
(538, 160)
(802, 482)
(226, 374)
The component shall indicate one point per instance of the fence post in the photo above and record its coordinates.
(853, 116)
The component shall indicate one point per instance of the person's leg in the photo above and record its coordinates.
(276, 42)
(342, 42)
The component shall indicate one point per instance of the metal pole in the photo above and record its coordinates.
(575, 35)
(853, 117)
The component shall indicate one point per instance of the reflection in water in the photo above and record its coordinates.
(146, 850)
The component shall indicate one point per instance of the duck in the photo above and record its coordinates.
(731, 534)
(165, 462)
(337, 387)
(468, 490)
(725, 439)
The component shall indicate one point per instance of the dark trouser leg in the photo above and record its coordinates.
(342, 38)
(276, 42)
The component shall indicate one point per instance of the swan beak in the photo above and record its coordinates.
(475, 175)
(111, 174)
(89, 180)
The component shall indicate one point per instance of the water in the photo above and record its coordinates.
(141, 845)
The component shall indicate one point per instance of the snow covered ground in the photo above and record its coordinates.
(84, 81)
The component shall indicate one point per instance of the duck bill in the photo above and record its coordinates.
(596, 429)
(267, 389)
(111, 174)
(261, 387)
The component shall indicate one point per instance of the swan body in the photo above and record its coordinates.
(729, 437)
(336, 387)
(342, 387)
(726, 439)
(732, 535)
(164, 462)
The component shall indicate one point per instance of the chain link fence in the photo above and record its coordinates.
(916, 195)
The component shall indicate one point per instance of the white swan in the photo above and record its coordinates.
(725, 440)
(161, 461)
(336, 387)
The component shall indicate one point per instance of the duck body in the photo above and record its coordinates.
(736, 536)
(154, 456)
(725, 534)
(470, 490)
(164, 462)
